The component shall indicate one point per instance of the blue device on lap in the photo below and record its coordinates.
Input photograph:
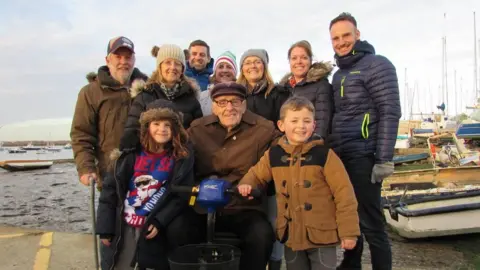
(212, 195)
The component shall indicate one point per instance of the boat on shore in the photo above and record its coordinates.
(25, 165)
(433, 214)
(401, 159)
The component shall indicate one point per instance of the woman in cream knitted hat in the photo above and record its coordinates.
(166, 82)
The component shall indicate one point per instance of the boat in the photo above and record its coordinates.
(17, 151)
(52, 148)
(67, 146)
(25, 165)
(468, 131)
(30, 147)
(439, 214)
(1, 147)
(410, 158)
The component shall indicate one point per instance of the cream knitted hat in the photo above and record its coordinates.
(168, 51)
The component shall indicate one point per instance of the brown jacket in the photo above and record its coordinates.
(97, 126)
(229, 155)
(315, 199)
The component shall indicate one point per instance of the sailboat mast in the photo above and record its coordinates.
(406, 95)
(455, 87)
(475, 71)
(446, 78)
(461, 94)
(443, 69)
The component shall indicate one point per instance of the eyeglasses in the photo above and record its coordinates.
(224, 102)
(250, 63)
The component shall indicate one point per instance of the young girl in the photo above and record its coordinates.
(136, 211)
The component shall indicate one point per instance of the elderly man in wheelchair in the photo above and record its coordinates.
(227, 143)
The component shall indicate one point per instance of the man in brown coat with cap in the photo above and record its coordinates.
(227, 143)
(100, 113)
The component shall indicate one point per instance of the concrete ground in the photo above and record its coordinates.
(22, 249)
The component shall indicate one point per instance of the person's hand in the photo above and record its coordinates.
(382, 171)
(153, 232)
(85, 178)
(106, 242)
(244, 189)
(348, 243)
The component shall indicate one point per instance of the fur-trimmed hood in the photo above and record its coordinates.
(316, 72)
(188, 85)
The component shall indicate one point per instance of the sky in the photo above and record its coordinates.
(47, 47)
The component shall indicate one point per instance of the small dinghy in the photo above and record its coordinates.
(433, 215)
(410, 158)
(25, 165)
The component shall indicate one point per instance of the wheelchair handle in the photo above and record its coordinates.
(193, 190)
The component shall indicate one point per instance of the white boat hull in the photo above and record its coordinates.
(434, 219)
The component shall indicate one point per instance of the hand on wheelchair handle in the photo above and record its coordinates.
(245, 190)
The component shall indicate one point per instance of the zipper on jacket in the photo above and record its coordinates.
(365, 123)
(341, 86)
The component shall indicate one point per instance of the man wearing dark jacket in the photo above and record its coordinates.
(200, 63)
(100, 113)
(364, 129)
(227, 143)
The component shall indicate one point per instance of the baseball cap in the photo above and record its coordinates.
(119, 42)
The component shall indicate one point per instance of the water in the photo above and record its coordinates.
(51, 199)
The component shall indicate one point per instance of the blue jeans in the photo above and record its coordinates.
(278, 250)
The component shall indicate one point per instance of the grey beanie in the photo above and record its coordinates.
(260, 53)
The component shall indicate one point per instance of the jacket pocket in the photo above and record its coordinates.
(365, 123)
(324, 233)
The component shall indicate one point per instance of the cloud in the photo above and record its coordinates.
(47, 47)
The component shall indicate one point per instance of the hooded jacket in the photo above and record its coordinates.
(100, 114)
(185, 100)
(367, 105)
(110, 214)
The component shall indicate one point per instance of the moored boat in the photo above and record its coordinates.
(400, 159)
(438, 214)
(25, 165)
(17, 151)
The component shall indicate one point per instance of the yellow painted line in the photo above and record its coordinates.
(11, 235)
(47, 239)
(42, 259)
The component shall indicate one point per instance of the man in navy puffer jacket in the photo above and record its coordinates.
(364, 129)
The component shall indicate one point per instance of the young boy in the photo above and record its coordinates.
(317, 208)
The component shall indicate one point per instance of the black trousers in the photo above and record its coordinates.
(252, 227)
(371, 217)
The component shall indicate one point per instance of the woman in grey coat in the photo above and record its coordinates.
(310, 80)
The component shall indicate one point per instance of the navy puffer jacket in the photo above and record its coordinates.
(366, 105)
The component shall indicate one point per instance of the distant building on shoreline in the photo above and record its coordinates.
(56, 130)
